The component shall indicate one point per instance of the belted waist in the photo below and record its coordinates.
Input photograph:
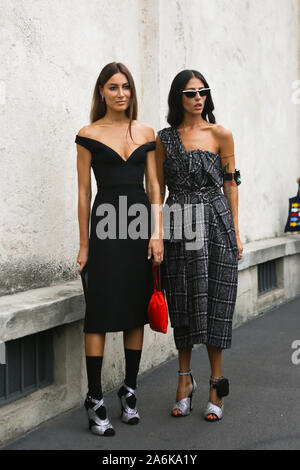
(176, 194)
(182, 220)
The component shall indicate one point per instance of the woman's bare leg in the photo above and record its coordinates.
(215, 359)
(185, 384)
(94, 344)
(133, 339)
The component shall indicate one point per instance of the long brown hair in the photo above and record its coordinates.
(98, 109)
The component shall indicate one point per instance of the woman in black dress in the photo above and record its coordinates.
(121, 245)
(196, 156)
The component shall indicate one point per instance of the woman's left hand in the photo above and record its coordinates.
(156, 249)
(240, 247)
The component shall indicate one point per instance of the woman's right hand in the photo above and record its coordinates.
(82, 258)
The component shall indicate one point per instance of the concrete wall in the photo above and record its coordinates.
(52, 53)
(248, 52)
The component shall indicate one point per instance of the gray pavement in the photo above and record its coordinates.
(262, 410)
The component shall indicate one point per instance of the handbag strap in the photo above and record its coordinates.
(156, 277)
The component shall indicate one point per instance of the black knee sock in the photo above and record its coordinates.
(93, 368)
(132, 361)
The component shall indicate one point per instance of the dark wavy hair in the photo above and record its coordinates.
(98, 108)
(176, 111)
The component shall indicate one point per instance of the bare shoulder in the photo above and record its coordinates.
(145, 130)
(224, 137)
(222, 133)
(85, 131)
(91, 130)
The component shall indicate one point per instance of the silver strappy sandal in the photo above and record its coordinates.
(185, 404)
(128, 415)
(221, 385)
(102, 427)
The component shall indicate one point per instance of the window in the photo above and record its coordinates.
(266, 276)
(28, 366)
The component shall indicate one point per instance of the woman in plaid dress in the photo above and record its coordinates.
(196, 158)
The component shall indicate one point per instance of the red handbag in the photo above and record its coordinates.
(157, 308)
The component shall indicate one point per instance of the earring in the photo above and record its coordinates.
(102, 99)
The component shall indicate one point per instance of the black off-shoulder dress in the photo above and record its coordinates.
(120, 280)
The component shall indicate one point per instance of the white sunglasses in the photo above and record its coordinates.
(192, 93)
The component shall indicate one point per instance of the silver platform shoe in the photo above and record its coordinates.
(128, 415)
(221, 385)
(102, 427)
(185, 404)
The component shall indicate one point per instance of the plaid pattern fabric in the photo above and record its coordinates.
(200, 282)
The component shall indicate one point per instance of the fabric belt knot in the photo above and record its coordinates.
(181, 222)
(187, 195)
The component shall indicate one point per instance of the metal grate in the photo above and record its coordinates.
(266, 276)
(28, 366)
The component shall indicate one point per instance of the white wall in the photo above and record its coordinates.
(51, 54)
(249, 53)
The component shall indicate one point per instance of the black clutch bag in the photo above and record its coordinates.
(84, 280)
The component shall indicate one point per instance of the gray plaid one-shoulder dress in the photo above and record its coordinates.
(200, 283)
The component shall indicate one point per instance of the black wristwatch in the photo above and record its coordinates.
(236, 176)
